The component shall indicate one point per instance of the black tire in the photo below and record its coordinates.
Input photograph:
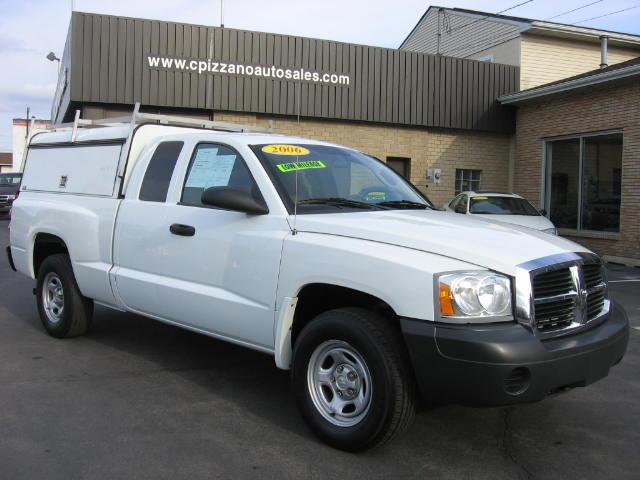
(379, 343)
(77, 310)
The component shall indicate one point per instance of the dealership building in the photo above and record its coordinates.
(469, 101)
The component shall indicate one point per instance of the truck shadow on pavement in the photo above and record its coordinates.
(251, 381)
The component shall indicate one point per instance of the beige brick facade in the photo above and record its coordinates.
(427, 148)
(616, 107)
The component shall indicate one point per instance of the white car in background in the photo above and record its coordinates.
(501, 207)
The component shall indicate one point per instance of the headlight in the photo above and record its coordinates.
(552, 231)
(11, 197)
(474, 297)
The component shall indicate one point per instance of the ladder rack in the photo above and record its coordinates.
(138, 117)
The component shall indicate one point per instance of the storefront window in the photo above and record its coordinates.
(583, 182)
(565, 167)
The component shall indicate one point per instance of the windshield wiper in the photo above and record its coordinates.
(404, 204)
(338, 202)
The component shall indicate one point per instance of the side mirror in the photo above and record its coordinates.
(460, 208)
(229, 198)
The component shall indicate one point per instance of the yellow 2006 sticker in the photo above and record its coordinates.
(480, 198)
(285, 150)
(293, 166)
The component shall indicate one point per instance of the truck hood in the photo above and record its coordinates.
(492, 245)
(537, 222)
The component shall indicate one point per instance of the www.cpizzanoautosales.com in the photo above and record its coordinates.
(278, 73)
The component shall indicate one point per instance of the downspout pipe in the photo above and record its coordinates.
(604, 40)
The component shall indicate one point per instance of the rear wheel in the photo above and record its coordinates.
(63, 310)
(353, 381)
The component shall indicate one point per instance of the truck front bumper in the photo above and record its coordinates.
(504, 364)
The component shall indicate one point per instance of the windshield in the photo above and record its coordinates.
(9, 179)
(336, 179)
(502, 206)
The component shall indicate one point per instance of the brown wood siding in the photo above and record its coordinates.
(109, 66)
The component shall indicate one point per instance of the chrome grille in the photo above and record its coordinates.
(554, 282)
(592, 274)
(561, 293)
(4, 199)
(555, 299)
(595, 289)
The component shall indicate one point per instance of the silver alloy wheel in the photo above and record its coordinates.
(339, 383)
(53, 297)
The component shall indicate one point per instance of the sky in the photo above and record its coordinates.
(30, 29)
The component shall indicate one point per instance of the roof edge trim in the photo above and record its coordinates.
(594, 79)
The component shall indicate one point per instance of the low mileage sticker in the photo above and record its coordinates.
(293, 166)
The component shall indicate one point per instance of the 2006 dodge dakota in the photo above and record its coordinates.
(318, 255)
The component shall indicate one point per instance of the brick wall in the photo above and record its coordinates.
(427, 148)
(605, 108)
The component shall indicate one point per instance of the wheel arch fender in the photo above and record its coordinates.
(397, 278)
(42, 244)
(311, 300)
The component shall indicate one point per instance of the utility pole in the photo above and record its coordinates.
(222, 13)
(439, 32)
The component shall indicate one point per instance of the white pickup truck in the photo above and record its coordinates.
(318, 255)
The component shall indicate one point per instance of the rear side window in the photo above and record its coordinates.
(463, 202)
(155, 184)
(216, 166)
(460, 201)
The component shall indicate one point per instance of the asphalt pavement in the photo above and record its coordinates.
(140, 399)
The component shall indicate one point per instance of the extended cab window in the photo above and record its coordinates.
(155, 184)
(216, 166)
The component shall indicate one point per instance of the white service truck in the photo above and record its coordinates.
(318, 255)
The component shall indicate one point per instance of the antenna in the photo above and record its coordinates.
(295, 205)
(222, 13)
(295, 199)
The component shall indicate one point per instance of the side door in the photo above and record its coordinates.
(205, 268)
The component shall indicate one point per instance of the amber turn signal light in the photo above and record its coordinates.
(446, 300)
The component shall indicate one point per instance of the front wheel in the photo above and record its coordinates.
(353, 381)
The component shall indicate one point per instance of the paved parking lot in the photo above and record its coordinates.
(140, 399)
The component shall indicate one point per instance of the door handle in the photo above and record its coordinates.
(182, 230)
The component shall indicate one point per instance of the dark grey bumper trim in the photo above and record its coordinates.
(473, 364)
